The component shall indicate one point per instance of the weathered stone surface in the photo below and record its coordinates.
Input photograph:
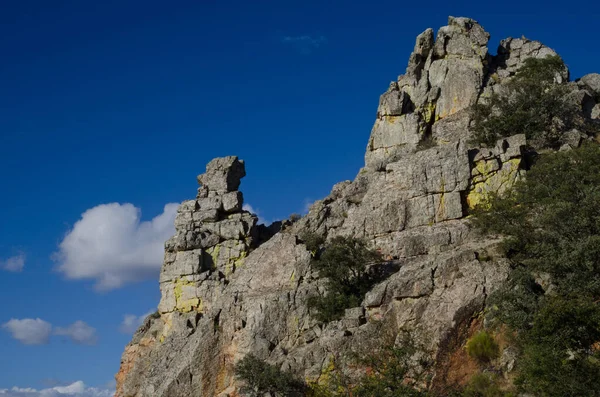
(232, 202)
(495, 170)
(512, 52)
(442, 78)
(595, 113)
(185, 263)
(590, 82)
(223, 174)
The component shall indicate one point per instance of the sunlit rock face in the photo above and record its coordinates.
(230, 287)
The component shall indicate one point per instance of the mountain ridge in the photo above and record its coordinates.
(230, 287)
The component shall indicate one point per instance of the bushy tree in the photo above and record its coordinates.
(552, 226)
(482, 347)
(344, 263)
(389, 368)
(261, 377)
(484, 385)
(531, 103)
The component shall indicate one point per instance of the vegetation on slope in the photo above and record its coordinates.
(552, 224)
(533, 103)
(343, 262)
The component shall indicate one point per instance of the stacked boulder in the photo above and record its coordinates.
(213, 237)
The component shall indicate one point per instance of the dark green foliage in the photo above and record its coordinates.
(389, 369)
(314, 242)
(516, 303)
(482, 347)
(552, 220)
(389, 373)
(542, 70)
(484, 385)
(343, 263)
(332, 305)
(552, 224)
(261, 378)
(531, 104)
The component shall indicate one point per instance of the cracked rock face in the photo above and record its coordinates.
(445, 76)
(226, 292)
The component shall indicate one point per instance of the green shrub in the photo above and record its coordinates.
(261, 377)
(390, 368)
(332, 305)
(531, 104)
(482, 347)
(314, 242)
(343, 263)
(484, 385)
(390, 373)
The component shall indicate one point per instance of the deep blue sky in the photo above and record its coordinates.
(126, 101)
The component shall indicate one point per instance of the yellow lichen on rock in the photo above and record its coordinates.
(183, 303)
(487, 179)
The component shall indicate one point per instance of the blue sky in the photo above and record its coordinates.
(126, 101)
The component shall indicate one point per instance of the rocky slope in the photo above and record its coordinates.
(230, 287)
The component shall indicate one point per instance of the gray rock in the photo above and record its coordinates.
(513, 52)
(591, 82)
(233, 201)
(211, 203)
(443, 77)
(211, 215)
(595, 113)
(223, 174)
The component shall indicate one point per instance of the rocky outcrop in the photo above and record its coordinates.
(213, 236)
(444, 78)
(227, 291)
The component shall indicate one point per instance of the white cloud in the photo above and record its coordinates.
(79, 332)
(249, 208)
(131, 322)
(14, 263)
(77, 389)
(29, 331)
(307, 204)
(111, 245)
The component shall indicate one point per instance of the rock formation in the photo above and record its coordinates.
(226, 294)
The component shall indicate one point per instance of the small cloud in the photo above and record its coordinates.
(305, 44)
(77, 389)
(306, 205)
(111, 245)
(13, 264)
(79, 332)
(131, 322)
(29, 331)
(261, 219)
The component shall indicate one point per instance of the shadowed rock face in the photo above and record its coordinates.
(224, 295)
